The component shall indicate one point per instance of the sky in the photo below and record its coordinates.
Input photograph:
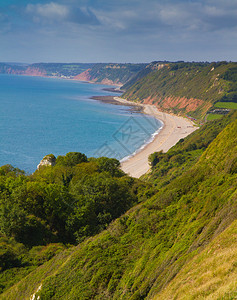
(117, 30)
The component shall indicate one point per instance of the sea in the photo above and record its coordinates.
(40, 116)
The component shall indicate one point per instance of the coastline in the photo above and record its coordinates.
(113, 100)
(174, 128)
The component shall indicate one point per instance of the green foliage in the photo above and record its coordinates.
(17, 261)
(10, 171)
(167, 166)
(117, 73)
(101, 200)
(230, 74)
(211, 117)
(71, 159)
(56, 203)
(10, 252)
(230, 97)
(109, 165)
(65, 203)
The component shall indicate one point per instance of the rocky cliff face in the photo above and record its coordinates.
(84, 76)
(34, 72)
(87, 76)
(48, 160)
(172, 102)
(16, 70)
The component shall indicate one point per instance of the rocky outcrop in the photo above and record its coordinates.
(107, 81)
(84, 76)
(31, 71)
(34, 72)
(187, 104)
(48, 160)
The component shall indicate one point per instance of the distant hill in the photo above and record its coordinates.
(113, 74)
(184, 88)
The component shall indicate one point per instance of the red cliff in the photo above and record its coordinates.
(34, 72)
(84, 76)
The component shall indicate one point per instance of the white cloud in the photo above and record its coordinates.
(214, 11)
(49, 11)
(53, 12)
(173, 15)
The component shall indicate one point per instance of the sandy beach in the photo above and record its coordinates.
(174, 128)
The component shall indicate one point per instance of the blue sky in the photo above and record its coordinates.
(117, 30)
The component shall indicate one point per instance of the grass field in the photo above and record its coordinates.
(230, 105)
(211, 117)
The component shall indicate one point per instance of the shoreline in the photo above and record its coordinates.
(174, 128)
(112, 100)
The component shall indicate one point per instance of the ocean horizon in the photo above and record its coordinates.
(40, 116)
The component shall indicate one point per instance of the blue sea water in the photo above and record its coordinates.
(39, 116)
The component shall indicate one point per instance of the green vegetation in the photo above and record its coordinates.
(116, 73)
(211, 117)
(186, 88)
(230, 105)
(41, 214)
(167, 166)
(200, 279)
(170, 244)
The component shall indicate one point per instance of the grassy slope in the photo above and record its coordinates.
(211, 117)
(212, 274)
(193, 81)
(185, 153)
(230, 105)
(148, 248)
(117, 73)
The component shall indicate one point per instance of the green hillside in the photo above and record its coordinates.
(57, 207)
(117, 73)
(178, 242)
(143, 72)
(185, 88)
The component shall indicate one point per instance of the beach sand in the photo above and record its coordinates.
(174, 128)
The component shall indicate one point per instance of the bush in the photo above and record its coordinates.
(71, 159)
